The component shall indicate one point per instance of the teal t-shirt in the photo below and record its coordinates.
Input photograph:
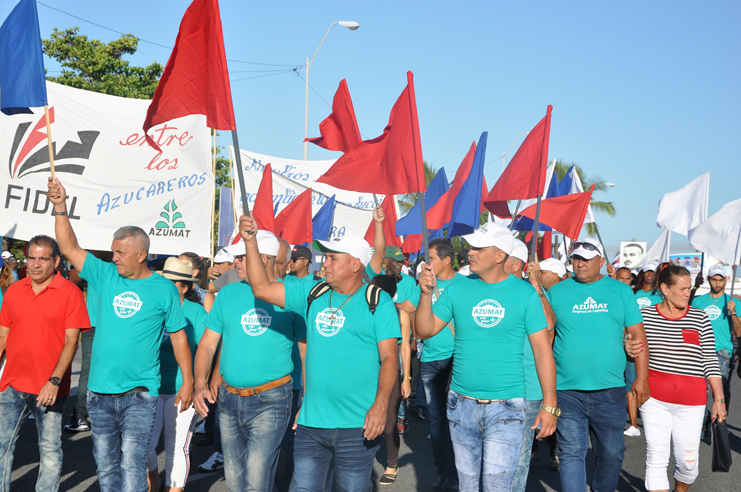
(716, 310)
(405, 289)
(441, 346)
(172, 377)
(647, 298)
(258, 337)
(370, 272)
(295, 354)
(342, 360)
(590, 319)
(132, 317)
(492, 322)
(92, 304)
(532, 383)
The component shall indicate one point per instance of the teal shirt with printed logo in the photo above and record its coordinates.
(492, 323)
(342, 360)
(441, 346)
(647, 298)
(257, 337)
(716, 309)
(172, 378)
(132, 317)
(590, 319)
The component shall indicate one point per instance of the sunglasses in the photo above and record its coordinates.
(239, 257)
(587, 246)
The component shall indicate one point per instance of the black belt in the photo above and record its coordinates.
(138, 389)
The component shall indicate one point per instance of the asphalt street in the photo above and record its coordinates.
(417, 471)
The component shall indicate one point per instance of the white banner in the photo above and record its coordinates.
(354, 211)
(113, 178)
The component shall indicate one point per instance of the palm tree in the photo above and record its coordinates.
(408, 200)
(561, 168)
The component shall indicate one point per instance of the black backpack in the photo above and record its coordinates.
(372, 295)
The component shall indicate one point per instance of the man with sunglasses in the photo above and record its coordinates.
(494, 314)
(301, 263)
(592, 314)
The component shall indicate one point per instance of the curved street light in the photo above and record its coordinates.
(352, 25)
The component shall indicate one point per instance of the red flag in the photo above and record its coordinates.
(340, 129)
(262, 210)
(412, 244)
(442, 212)
(545, 248)
(563, 213)
(484, 193)
(525, 174)
(389, 224)
(293, 223)
(389, 164)
(196, 79)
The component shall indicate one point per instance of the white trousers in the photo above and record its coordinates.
(178, 429)
(664, 424)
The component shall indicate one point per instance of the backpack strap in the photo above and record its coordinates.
(373, 297)
(319, 289)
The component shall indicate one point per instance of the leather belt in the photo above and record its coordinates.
(258, 389)
(479, 400)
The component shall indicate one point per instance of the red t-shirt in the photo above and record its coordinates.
(37, 329)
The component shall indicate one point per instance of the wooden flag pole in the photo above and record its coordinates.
(240, 173)
(48, 138)
(213, 200)
(231, 174)
(534, 244)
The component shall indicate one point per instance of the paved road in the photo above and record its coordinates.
(416, 473)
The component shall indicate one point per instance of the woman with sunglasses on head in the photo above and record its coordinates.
(681, 358)
(200, 274)
(177, 425)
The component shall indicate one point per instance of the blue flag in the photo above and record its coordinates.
(411, 223)
(467, 205)
(22, 82)
(322, 221)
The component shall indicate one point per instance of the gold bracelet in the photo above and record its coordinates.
(408, 377)
(720, 400)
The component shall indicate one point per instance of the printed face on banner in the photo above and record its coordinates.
(631, 254)
(112, 176)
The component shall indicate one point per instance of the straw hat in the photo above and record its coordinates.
(176, 269)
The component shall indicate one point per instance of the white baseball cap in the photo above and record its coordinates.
(650, 266)
(588, 252)
(553, 265)
(223, 256)
(717, 270)
(356, 247)
(7, 254)
(492, 234)
(267, 244)
(520, 251)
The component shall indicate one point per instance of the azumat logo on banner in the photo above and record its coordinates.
(112, 176)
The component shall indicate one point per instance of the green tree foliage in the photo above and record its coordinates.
(408, 200)
(600, 185)
(96, 66)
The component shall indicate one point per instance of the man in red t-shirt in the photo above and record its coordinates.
(40, 322)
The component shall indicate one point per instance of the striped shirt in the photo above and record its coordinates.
(681, 355)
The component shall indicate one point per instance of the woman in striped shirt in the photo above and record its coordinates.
(681, 349)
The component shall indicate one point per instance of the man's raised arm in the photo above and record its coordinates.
(62, 227)
(262, 288)
(426, 323)
(379, 241)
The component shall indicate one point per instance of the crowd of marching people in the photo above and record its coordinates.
(299, 378)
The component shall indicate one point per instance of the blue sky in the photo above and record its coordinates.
(645, 94)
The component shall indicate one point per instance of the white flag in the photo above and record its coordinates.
(719, 235)
(681, 210)
(576, 187)
(659, 251)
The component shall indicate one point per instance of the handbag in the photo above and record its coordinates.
(721, 447)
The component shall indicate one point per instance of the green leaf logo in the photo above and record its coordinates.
(172, 218)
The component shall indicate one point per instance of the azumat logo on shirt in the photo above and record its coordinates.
(126, 304)
(591, 306)
(488, 313)
(329, 322)
(643, 302)
(256, 321)
(713, 312)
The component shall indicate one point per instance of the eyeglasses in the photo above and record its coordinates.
(238, 257)
(587, 246)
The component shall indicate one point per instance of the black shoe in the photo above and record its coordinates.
(417, 412)
(77, 425)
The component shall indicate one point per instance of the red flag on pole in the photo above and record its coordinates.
(389, 224)
(412, 243)
(262, 210)
(389, 164)
(293, 223)
(195, 79)
(563, 213)
(340, 129)
(441, 213)
(525, 174)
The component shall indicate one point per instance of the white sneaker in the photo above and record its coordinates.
(201, 429)
(632, 432)
(215, 462)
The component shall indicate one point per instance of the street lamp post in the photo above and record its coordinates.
(348, 24)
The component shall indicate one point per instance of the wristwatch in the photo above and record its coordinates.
(55, 381)
(63, 212)
(552, 410)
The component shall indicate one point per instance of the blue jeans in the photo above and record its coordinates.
(603, 414)
(332, 459)
(486, 439)
(434, 376)
(121, 427)
(252, 428)
(14, 408)
(523, 467)
(284, 471)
